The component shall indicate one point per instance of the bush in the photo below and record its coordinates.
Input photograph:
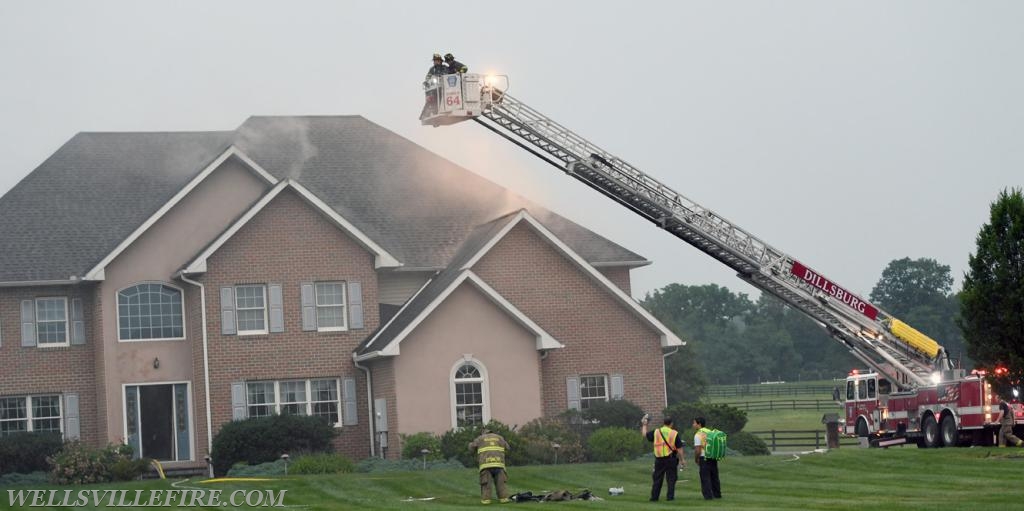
(35, 479)
(264, 439)
(270, 468)
(747, 444)
(381, 465)
(719, 416)
(324, 463)
(78, 463)
(455, 443)
(413, 445)
(618, 413)
(23, 453)
(616, 444)
(538, 437)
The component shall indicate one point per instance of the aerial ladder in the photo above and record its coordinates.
(908, 358)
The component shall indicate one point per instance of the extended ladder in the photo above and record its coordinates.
(865, 330)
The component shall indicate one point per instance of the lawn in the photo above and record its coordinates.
(848, 478)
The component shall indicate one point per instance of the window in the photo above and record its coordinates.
(251, 307)
(296, 397)
(330, 306)
(850, 386)
(871, 389)
(862, 390)
(52, 321)
(32, 413)
(262, 399)
(469, 395)
(592, 389)
(150, 311)
(884, 387)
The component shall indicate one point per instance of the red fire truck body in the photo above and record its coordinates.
(958, 411)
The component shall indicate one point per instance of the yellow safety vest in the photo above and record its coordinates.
(664, 441)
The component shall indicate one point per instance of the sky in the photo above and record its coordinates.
(846, 134)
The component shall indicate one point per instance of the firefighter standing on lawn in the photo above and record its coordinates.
(490, 456)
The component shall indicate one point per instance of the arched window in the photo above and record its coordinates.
(150, 311)
(470, 403)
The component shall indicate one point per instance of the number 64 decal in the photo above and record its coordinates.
(452, 100)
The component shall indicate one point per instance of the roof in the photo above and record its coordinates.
(99, 189)
(384, 341)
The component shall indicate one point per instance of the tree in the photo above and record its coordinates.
(919, 292)
(992, 300)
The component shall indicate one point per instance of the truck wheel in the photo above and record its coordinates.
(862, 427)
(950, 436)
(930, 432)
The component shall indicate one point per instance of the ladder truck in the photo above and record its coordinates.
(911, 392)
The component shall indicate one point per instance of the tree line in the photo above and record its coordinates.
(732, 339)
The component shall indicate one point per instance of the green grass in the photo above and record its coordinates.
(848, 478)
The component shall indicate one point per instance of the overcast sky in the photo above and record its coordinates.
(846, 134)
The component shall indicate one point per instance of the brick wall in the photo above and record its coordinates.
(287, 243)
(34, 370)
(384, 388)
(601, 335)
(619, 276)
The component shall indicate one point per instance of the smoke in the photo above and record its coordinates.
(281, 141)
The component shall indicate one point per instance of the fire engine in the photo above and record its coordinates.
(912, 391)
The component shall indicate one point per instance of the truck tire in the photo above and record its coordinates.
(950, 436)
(930, 432)
(862, 427)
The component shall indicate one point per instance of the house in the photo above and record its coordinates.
(155, 286)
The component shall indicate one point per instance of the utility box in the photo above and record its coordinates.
(831, 422)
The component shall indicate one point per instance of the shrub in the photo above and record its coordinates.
(35, 479)
(324, 463)
(413, 445)
(455, 443)
(719, 416)
(747, 444)
(618, 413)
(382, 465)
(23, 453)
(538, 437)
(78, 463)
(270, 468)
(264, 439)
(616, 444)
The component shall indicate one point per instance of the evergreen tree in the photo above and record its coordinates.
(992, 300)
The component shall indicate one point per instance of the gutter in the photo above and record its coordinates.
(206, 362)
(664, 372)
(369, 402)
(32, 283)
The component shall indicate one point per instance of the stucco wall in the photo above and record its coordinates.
(467, 323)
(155, 257)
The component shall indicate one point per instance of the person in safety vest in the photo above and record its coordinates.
(710, 486)
(490, 450)
(668, 452)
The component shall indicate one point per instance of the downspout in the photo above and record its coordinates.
(664, 373)
(369, 403)
(206, 362)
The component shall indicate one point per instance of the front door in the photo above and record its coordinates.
(156, 420)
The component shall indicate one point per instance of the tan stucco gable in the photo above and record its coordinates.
(467, 326)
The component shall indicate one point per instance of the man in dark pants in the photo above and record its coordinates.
(490, 449)
(668, 451)
(710, 486)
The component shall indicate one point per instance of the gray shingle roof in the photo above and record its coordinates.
(77, 206)
(80, 203)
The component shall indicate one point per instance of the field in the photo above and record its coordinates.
(848, 478)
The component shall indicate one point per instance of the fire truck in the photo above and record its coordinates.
(911, 391)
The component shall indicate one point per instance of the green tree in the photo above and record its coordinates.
(992, 300)
(919, 292)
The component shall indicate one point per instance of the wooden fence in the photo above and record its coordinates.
(799, 440)
(725, 392)
(786, 404)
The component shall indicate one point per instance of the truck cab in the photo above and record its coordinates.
(867, 396)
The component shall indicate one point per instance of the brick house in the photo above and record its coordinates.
(154, 286)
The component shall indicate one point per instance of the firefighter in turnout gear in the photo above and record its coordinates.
(490, 450)
(668, 452)
(1005, 420)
